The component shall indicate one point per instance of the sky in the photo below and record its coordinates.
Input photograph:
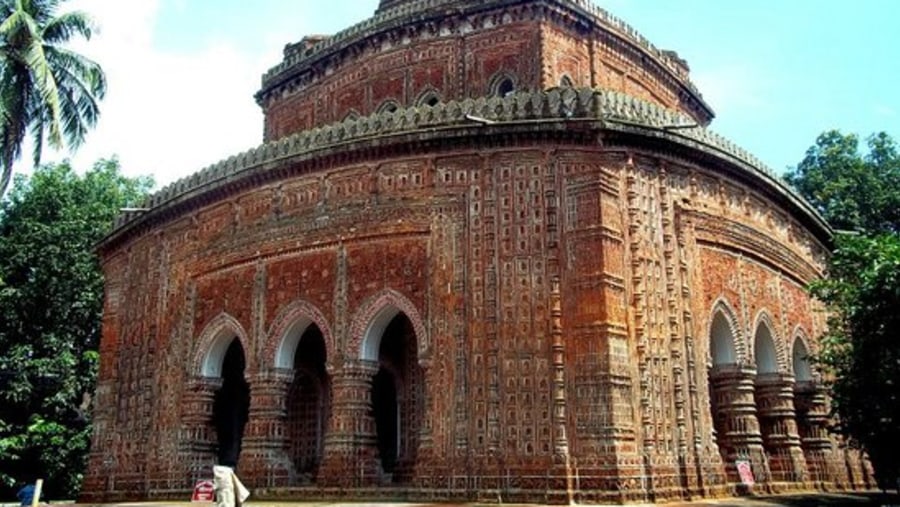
(182, 73)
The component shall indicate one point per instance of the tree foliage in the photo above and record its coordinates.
(862, 346)
(51, 301)
(852, 191)
(46, 89)
(861, 349)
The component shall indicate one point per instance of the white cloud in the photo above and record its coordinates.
(167, 114)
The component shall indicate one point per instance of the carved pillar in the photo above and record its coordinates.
(350, 458)
(264, 460)
(868, 471)
(812, 419)
(98, 480)
(732, 388)
(197, 436)
(778, 424)
(855, 475)
(561, 454)
(425, 459)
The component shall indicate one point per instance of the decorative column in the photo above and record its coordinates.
(812, 419)
(264, 460)
(98, 481)
(855, 475)
(732, 388)
(560, 440)
(775, 405)
(197, 436)
(425, 461)
(351, 454)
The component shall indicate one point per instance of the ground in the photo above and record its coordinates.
(809, 500)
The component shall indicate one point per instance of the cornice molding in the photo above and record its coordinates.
(589, 111)
(716, 232)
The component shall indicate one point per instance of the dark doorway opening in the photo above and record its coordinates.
(397, 399)
(231, 406)
(387, 422)
(308, 404)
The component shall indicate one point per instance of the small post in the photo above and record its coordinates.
(37, 492)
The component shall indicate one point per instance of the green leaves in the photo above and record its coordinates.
(860, 351)
(55, 446)
(852, 191)
(51, 302)
(44, 88)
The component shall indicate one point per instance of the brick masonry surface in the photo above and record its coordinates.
(471, 262)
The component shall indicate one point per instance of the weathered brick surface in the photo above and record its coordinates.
(464, 52)
(544, 304)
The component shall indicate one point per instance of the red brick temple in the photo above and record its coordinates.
(487, 251)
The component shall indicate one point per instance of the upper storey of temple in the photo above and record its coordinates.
(421, 52)
(387, 4)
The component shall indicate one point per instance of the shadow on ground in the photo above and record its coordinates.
(812, 500)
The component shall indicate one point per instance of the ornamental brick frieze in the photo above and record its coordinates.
(721, 234)
(565, 103)
(702, 450)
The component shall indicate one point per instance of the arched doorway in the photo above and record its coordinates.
(771, 408)
(800, 361)
(308, 404)
(774, 398)
(731, 390)
(231, 405)
(722, 353)
(386, 411)
(396, 397)
(764, 347)
(812, 416)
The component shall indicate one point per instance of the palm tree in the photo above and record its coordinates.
(45, 89)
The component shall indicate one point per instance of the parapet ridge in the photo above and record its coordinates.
(554, 105)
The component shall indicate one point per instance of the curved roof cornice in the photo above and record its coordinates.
(598, 110)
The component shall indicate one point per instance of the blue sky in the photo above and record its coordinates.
(182, 73)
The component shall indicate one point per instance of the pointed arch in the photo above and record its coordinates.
(724, 335)
(352, 115)
(502, 84)
(766, 353)
(800, 332)
(287, 329)
(213, 343)
(800, 352)
(374, 316)
(388, 106)
(429, 97)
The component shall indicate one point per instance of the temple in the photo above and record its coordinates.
(488, 251)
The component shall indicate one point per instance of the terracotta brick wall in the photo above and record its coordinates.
(459, 58)
(472, 243)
